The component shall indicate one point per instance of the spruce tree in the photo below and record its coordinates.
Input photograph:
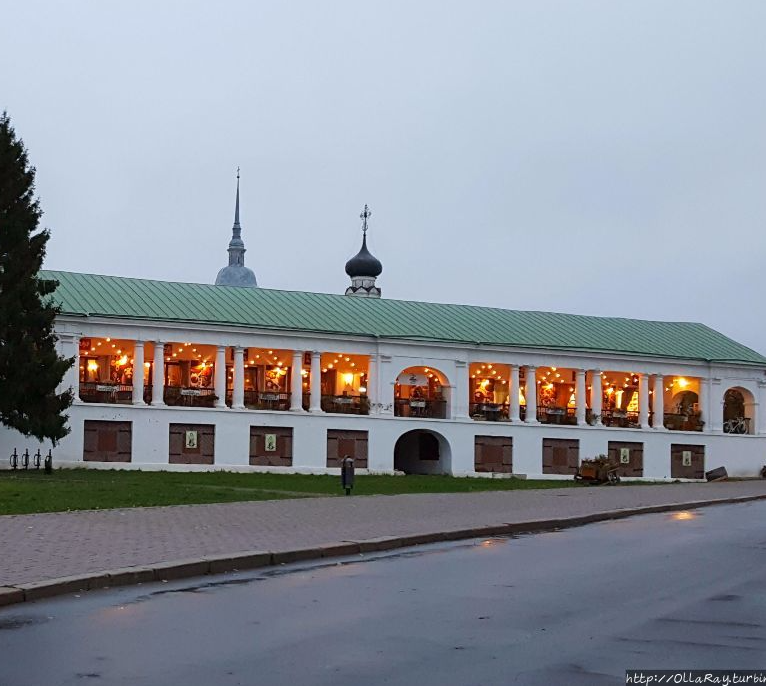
(30, 367)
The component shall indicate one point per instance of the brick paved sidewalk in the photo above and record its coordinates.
(46, 546)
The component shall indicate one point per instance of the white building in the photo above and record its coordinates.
(171, 374)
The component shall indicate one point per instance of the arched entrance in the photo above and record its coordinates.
(738, 406)
(421, 392)
(422, 452)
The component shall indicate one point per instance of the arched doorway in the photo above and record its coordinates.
(421, 392)
(686, 402)
(738, 406)
(422, 452)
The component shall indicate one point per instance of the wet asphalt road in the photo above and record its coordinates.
(672, 591)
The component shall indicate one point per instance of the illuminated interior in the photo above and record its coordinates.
(555, 388)
(266, 370)
(682, 395)
(620, 392)
(420, 383)
(189, 365)
(343, 374)
(109, 361)
(489, 383)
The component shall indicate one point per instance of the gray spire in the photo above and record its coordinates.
(236, 273)
(236, 244)
(237, 227)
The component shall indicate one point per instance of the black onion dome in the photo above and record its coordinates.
(364, 263)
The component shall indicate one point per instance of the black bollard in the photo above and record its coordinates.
(36, 459)
(25, 459)
(14, 459)
(48, 463)
(347, 474)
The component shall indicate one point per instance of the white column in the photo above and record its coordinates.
(138, 373)
(220, 376)
(531, 394)
(580, 401)
(596, 395)
(703, 398)
(643, 400)
(716, 402)
(69, 346)
(238, 391)
(158, 374)
(372, 384)
(659, 403)
(513, 394)
(760, 417)
(459, 391)
(296, 382)
(315, 403)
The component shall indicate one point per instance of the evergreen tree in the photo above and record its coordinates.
(30, 367)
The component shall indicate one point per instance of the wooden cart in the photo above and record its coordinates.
(599, 470)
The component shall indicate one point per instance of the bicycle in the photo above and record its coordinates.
(738, 425)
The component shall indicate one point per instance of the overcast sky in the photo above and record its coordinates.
(595, 157)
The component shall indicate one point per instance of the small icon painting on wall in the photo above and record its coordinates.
(191, 440)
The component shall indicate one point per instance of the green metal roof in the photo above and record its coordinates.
(120, 297)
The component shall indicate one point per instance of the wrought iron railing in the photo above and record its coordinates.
(263, 400)
(682, 422)
(97, 392)
(346, 404)
(417, 407)
(491, 412)
(181, 396)
(556, 415)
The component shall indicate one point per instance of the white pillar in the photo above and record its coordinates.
(372, 384)
(138, 373)
(296, 382)
(531, 394)
(580, 402)
(703, 398)
(659, 403)
(238, 392)
(219, 380)
(596, 396)
(315, 403)
(459, 391)
(643, 400)
(69, 346)
(513, 394)
(716, 402)
(158, 374)
(760, 418)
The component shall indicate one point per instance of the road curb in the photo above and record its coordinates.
(11, 594)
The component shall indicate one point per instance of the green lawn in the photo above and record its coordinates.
(89, 489)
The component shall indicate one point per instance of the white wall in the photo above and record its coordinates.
(742, 455)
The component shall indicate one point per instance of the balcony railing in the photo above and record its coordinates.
(556, 415)
(181, 396)
(346, 404)
(619, 418)
(491, 412)
(263, 400)
(682, 422)
(415, 407)
(96, 392)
